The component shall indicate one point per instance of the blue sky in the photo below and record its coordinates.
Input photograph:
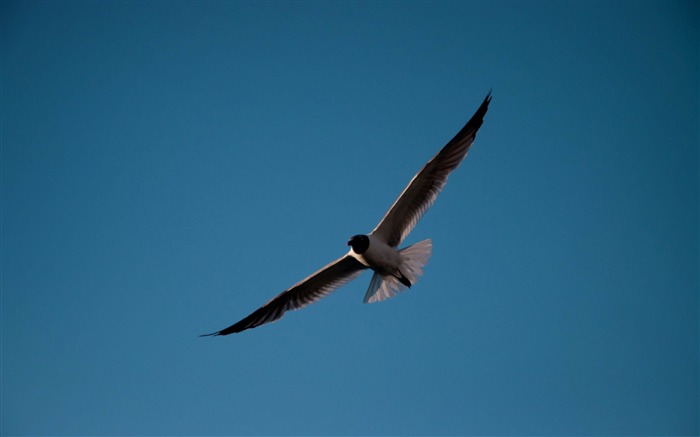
(167, 167)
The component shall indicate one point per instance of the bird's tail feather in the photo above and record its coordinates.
(413, 259)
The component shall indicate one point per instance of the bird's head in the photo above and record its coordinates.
(359, 243)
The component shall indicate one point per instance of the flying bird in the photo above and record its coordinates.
(394, 269)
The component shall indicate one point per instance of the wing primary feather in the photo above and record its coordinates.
(425, 186)
(305, 292)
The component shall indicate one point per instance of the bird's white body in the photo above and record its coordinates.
(394, 270)
(379, 256)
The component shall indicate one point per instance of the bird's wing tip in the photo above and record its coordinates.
(213, 334)
(487, 100)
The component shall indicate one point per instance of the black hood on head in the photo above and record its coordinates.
(359, 243)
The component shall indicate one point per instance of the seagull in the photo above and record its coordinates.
(395, 270)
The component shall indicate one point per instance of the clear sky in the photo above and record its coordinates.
(168, 167)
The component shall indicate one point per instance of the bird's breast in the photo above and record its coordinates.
(379, 256)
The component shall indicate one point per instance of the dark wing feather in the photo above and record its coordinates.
(425, 186)
(309, 290)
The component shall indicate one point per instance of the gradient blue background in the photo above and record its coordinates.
(167, 167)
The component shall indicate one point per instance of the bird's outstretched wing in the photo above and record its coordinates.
(309, 290)
(425, 186)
